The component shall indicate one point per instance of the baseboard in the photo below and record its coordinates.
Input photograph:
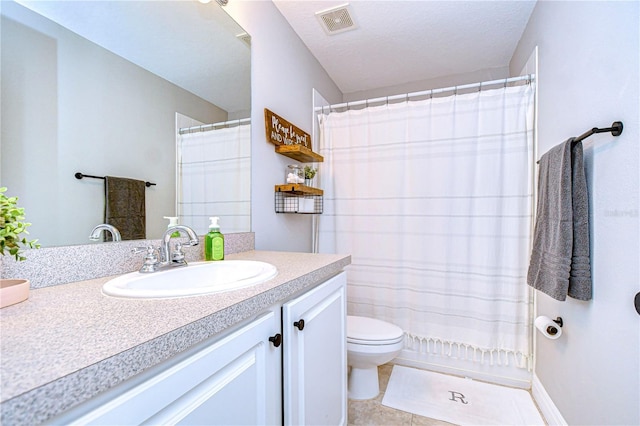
(548, 409)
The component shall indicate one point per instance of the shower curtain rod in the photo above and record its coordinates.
(207, 127)
(431, 92)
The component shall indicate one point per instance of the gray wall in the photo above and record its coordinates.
(588, 76)
(283, 74)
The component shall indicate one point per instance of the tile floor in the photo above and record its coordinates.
(372, 412)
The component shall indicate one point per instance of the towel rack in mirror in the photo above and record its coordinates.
(79, 175)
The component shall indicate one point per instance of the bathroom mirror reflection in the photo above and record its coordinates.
(102, 88)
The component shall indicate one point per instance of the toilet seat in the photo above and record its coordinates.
(375, 342)
(371, 331)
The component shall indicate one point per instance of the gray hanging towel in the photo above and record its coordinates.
(560, 263)
(125, 207)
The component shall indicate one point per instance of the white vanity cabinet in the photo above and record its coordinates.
(235, 380)
(253, 375)
(315, 356)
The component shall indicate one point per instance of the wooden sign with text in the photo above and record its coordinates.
(280, 132)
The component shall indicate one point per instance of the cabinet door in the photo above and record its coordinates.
(235, 380)
(315, 356)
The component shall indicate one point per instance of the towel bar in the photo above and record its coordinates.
(79, 175)
(615, 129)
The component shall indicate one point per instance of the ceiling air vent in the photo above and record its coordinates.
(337, 19)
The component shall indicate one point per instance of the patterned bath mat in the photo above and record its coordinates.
(457, 400)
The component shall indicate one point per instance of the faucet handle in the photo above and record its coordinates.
(151, 261)
(149, 250)
(177, 257)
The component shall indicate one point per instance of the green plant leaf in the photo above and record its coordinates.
(11, 226)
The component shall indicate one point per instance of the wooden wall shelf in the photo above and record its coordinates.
(299, 153)
(297, 189)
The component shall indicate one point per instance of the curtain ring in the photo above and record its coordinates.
(505, 83)
(455, 91)
(387, 100)
(480, 87)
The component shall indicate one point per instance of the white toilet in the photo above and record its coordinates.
(370, 343)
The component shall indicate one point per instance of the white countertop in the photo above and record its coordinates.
(67, 343)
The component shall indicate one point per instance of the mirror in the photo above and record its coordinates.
(101, 88)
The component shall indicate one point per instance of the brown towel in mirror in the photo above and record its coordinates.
(125, 207)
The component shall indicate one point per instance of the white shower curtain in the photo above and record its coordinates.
(214, 178)
(433, 201)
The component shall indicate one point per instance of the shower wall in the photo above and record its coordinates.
(588, 76)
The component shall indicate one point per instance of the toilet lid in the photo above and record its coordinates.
(370, 330)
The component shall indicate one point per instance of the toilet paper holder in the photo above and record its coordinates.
(553, 331)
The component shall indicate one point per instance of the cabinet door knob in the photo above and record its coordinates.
(276, 340)
(299, 324)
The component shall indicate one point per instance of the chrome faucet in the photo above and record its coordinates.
(165, 256)
(95, 233)
(176, 258)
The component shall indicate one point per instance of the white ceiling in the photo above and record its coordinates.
(400, 41)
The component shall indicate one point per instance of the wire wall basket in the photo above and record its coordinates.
(307, 204)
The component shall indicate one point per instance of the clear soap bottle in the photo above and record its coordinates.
(214, 241)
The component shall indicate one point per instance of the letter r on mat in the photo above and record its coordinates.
(455, 396)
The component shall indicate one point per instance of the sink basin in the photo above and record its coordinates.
(196, 279)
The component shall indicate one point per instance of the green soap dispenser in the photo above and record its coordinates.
(214, 241)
